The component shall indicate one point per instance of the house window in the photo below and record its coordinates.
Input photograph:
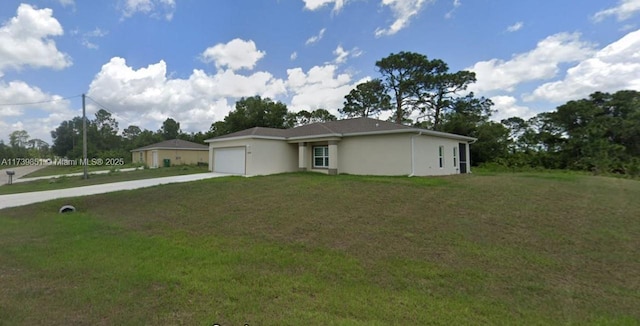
(455, 157)
(321, 156)
(441, 156)
(141, 159)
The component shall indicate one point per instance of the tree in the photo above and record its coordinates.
(131, 132)
(400, 75)
(599, 134)
(465, 115)
(366, 100)
(417, 83)
(170, 129)
(438, 90)
(470, 116)
(19, 139)
(146, 137)
(305, 117)
(5, 151)
(103, 132)
(218, 128)
(492, 143)
(66, 136)
(254, 112)
(105, 123)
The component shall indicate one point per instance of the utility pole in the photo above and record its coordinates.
(84, 138)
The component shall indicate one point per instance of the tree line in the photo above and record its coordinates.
(600, 134)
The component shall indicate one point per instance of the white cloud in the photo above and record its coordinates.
(456, 4)
(342, 55)
(515, 27)
(42, 117)
(320, 87)
(403, 11)
(538, 64)
(25, 40)
(236, 54)
(507, 107)
(613, 68)
(625, 10)
(65, 3)
(21, 93)
(317, 4)
(88, 37)
(147, 96)
(153, 8)
(293, 56)
(316, 38)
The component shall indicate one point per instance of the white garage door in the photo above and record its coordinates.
(229, 160)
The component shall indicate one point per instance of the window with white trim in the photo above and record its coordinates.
(321, 156)
(441, 156)
(455, 157)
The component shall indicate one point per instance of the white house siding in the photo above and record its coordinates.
(426, 156)
(375, 155)
(263, 156)
(271, 156)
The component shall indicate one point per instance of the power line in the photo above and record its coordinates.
(98, 103)
(39, 102)
(105, 108)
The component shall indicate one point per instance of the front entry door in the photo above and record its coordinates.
(463, 157)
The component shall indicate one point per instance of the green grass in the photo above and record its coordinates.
(307, 249)
(94, 179)
(71, 169)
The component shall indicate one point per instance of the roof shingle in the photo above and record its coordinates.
(337, 128)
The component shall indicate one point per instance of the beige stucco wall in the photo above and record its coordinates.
(271, 156)
(177, 156)
(375, 155)
(427, 159)
(389, 154)
(263, 156)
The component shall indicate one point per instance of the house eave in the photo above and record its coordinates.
(217, 140)
(168, 148)
(443, 134)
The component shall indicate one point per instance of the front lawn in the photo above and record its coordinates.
(94, 179)
(307, 249)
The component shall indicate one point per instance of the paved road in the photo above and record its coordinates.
(20, 172)
(14, 200)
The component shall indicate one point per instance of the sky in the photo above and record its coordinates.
(191, 60)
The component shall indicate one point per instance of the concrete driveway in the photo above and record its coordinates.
(14, 200)
(20, 172)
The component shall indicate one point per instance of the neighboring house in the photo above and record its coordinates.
(355, 146)
(176, 151)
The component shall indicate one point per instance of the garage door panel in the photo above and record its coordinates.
(229, 160)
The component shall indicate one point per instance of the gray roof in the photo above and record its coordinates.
(258, 131)
(347, 126)
(174, 144)
(338, 128)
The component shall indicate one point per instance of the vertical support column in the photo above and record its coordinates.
(210, 158)
(302, 156)
(468, 152)
(333, 157)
